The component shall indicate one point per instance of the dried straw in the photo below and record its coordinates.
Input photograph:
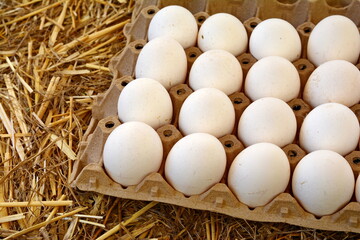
(54, 58)
(39, 225)
(124, 224)
(37, 204)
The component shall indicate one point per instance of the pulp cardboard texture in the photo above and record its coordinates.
(89, 174)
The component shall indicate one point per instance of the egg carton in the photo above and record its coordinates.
(89, 174)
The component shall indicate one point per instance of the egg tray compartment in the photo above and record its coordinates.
(89, 173)
(302, 14)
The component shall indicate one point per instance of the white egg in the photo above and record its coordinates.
(267, 120)
(357, 189)
(132, 151)
(195, 163)
(334, 37)
(145, 100)
(207, 110)
(272, 76)
(217, 69)
(164, 60)
(323, 182)
(275, 37)
(333, 81)
(176, 22)
(223, 31)
(330, 126)
(259, 173)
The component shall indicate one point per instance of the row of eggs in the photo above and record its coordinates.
(323, 181)
(335, 37)
(260, 172)
(164, 60)
(331, 126)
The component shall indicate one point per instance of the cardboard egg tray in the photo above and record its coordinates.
(89, 174)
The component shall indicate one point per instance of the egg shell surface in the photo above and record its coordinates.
(333, 81)
(207, 110)
(357, 189)
(223, 31)
(132, 151)
(275, 37)
(334, 37)
(267, 120)
(164, 60)
(145, 100)
(195, 163)
(259, 173)
(272, 76)
(175, 22)
(330, 126)
(323, 182)
(218, 69)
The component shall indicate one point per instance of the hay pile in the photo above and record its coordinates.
(53, 62)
